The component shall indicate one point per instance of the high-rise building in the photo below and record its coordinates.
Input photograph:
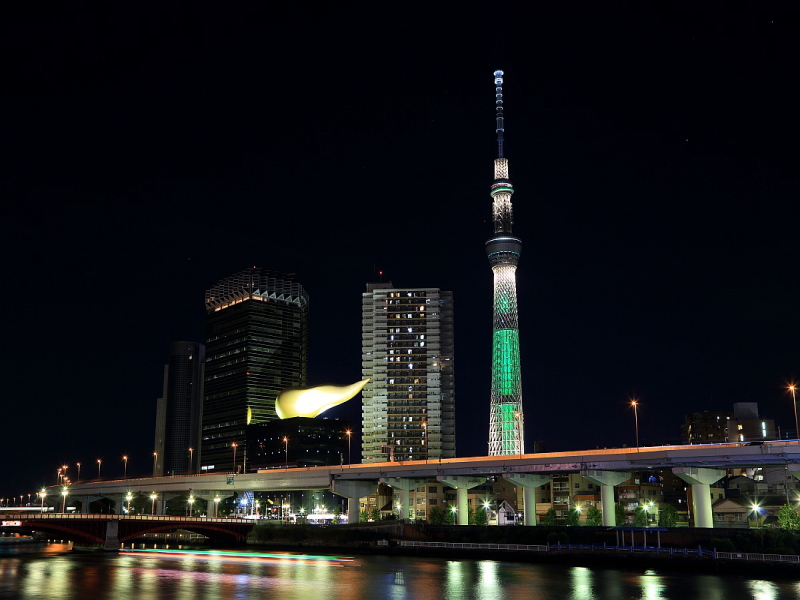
(408, 405)
(741, 425)
(256, 346)
(179, 411)
(298, 442)
(506, 434)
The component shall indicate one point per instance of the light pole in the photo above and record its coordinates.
(234, 445)
(191, 505)
(79, 470)
(153, 497)
(155, 462)
(216, 506)
(129, 497)
(793, 388)
(64, 471)
(43, 495)
(64, 493)
(635, 405)
(191, 456)
(99, 462)
(125, 471)
(518, 417)
(58, 475)
(349, 434)
(286, 441)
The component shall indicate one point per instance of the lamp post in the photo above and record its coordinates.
(191, 504)
(58, 475)
(234, 445)
(155, 462)
(635, 405)
(153, 497)
(129, 497)
(191, 456)
(99, 462)
(64, 493)
(286, 442)
(79, 470)
(125, 471)
(349, 434)
(793, 389)
(43, 495)
(216, 506)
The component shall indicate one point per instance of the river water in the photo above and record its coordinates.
(53, 571)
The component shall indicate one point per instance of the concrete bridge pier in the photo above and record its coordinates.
(528, 482)
(462, 485)
(607, 480)
(700, 479)
(404, 485)
(353, 491)
(112, 535)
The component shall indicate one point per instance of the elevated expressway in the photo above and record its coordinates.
(698, 465)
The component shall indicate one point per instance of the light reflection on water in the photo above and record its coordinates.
(54, 572)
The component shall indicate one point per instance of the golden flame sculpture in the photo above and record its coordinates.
(312, 401)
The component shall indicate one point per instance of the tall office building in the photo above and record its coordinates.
(179, 411)
(506, 435)
(256, 346)
(408, 405)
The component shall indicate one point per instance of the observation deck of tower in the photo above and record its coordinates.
(506, 433)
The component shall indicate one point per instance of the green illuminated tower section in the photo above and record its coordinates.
(506, 434)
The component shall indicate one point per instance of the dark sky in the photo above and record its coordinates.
(149, 154)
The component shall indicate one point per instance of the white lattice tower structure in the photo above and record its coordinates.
(506, 432)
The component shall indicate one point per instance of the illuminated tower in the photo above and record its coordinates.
(503, 250)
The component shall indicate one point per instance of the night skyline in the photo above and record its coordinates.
(654, 165)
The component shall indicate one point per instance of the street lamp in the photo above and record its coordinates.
(129, 497)
(79, 470)
(349, 434)
(153, 497)
(155, 462)
(635, 405)
(286, 441)
(234, 445)
(43, 495)
(216, 506)
(793, 388)
(191, 456)
(125, 472)
(58, 475)
(64, 493)
(99, 462)
(191, 504)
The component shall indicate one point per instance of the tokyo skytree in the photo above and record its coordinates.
(503, 249)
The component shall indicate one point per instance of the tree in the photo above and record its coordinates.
(549, 517)
(573, 517)
(593, 516)
(481, 516)
(619, 513)
(450, 515)
(375, 514)
(788, 518)
(436, 515)
(363, 516)
(668, 516)
(640, 517)
(470, 516)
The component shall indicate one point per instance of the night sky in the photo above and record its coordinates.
(149, 154)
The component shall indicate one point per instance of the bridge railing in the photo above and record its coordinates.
(102, 517)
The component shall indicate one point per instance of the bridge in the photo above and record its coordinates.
(112, 530)
(698, 465)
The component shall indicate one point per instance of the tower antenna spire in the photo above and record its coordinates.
(498, 102)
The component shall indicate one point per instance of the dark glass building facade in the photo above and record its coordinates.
(256, 346)
(297, 442)
(180, 411)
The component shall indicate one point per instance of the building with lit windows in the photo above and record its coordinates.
(298, 442)
(179, 411)
(408, 405)
(256, 346)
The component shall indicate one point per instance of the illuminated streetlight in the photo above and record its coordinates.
(191, 456)
(793, 388)
(79, 470)
(349, 434)
(125, 472)
(64, 493)
(153, 497)
(99, 462)
(129, 497)
(216, 506)
(43, 495)
(234, 445)
(155, 462)
(635, 405)
(191, 505)
(286, 441)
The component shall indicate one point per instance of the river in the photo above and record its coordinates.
(53, 571)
